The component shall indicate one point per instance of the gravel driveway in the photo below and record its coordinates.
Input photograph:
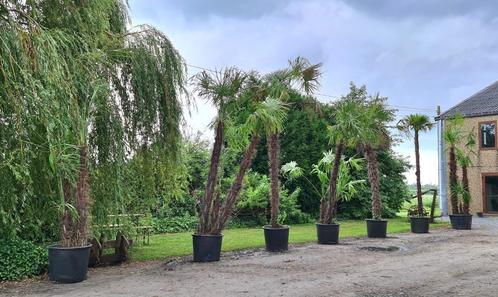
(443, 263)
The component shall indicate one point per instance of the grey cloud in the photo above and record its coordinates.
(426, 8)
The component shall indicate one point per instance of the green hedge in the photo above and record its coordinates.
(20, 259)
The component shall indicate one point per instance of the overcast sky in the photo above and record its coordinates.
(419, 53)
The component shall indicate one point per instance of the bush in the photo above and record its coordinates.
(20, 259)
(253, 206)
(174, 224)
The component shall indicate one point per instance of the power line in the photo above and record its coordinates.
(407, 108)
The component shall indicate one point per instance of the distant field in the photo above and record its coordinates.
(427, 205)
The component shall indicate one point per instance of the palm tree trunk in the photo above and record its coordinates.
(373, 177)
(465, 184)
(417, 173)
(273, 159)
(332, 190)
(82, 199)
(74, 231)
(204, 221)
(453, 180)
(233, 193)
(66, 223)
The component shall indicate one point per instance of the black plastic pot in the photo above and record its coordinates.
(461, 221)
(207, 248)
(376, 228)
(68, 264)
(327, 233)
(420, 224)
(276, 239)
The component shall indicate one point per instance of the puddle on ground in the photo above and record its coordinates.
(380, 248)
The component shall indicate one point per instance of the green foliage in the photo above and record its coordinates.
(393, 189)
(20, 259)
(347, 187)
(253, 205)
(174, 224)
(415, 122)
(76, 74)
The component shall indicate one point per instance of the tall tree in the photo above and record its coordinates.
(222, 90)
(277, 85)
(95, 90)
(375, 135)
(452, 136)
(345, 133)
(231, 91)
(416, 123)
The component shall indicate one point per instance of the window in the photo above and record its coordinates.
(487, 135)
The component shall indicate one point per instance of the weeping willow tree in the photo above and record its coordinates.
(81, 91)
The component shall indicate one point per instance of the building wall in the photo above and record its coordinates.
(483, 161)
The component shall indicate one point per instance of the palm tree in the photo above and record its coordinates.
(277, 85)
(416, 123)
(452, 136)
(375, 136)
(222, 90)
(463, 157)
(344, 134)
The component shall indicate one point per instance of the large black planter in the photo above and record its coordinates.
(461, 221)
(207, 248)
(68, 264)
(327, 233)
(376, 228)
(420, 224)
(276, 239)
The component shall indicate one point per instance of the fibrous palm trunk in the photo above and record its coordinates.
(453, 180)
(420, 203)
(207, 203)
(373, 177)
(227, 208)
(74, 231)
(273, 160)
(465, 184)
(331, 205)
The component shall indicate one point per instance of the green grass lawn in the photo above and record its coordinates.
(180, 244)
(427, 200)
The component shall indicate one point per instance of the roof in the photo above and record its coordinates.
(482, 103)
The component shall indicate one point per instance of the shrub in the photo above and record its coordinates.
(253, 206)
(20, 258)
(174, 224)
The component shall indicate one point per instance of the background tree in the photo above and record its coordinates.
(416, 123)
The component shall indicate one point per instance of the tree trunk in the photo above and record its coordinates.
(206, 205)
(66, 219)
(373, 177)
(274, 165)
(75, 230)
(233, 193)
(453, 180)
(420, 203)
(83, 198)
(331, 210)
(465, 184)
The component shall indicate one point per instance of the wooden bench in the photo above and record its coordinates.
(120, 245)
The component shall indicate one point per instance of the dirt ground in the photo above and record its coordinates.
(443, 263)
